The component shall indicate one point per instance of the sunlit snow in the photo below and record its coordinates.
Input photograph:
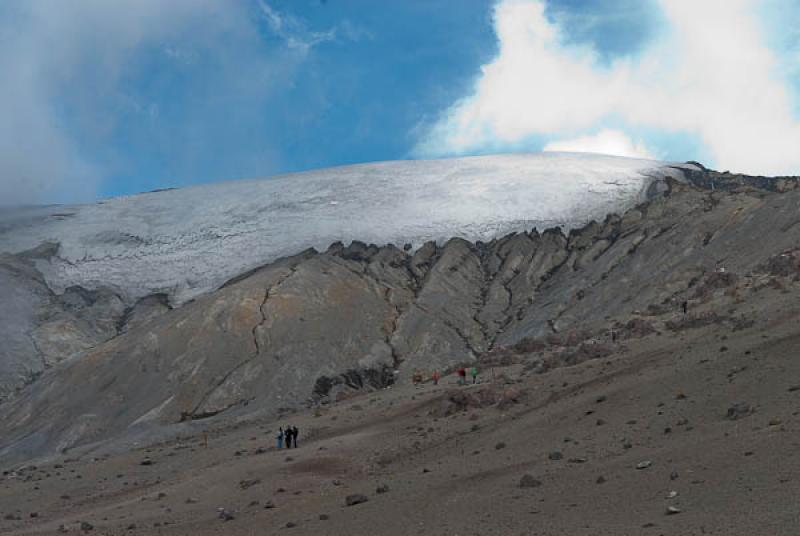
(191, 240)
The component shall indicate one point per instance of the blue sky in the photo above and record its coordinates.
(109, 98)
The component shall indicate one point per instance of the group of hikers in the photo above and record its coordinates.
(289, 436)
(417, 378)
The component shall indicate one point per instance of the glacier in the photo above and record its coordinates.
(186, 242)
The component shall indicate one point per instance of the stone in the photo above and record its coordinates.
(739, 411)
(146, 461)
(528, 481)
(225, 515)
(249, 483)
(354, 499)
(86, 526)
(672, 510)
(268, 505)
(644, 464)
(555, 455)
(383, 488)
(500, 445)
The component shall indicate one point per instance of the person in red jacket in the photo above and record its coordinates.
(436, 377)
(462, 376)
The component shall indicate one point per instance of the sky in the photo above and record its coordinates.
(106, 98)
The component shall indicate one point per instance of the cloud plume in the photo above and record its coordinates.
(711, 75)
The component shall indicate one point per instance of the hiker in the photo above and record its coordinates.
(436, 377)
(294, 435)
(280, 438)
(462, 376)
(685, 306)
(474, 373)
(288, 434)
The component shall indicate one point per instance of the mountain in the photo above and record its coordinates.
(312, 327)
(76, 276)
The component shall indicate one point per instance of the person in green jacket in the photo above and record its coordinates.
(474, 373)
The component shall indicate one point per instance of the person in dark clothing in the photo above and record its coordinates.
(294, 435)
(685, 306)
(288, 434)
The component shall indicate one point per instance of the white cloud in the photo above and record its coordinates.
(57, 54)
(293, 30)
(68, 69)
(611, 142)
(711, 75)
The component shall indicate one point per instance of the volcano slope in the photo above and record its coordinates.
(599, 397)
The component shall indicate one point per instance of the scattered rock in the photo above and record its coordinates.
(577, 460)
(86, 526)
(354, 499)
(528, 481)
(291, 524)
(673, 475)
(672, 510)
(672, 494)
(225, 515)
(244, 484)
(739, 410)
(383, 488)
(600, 480)
(500, 445)
(555, 455)
(146, 461)
(644, 465)
(324, 517)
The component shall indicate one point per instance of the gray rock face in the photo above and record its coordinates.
(41, 329)
(317, 326)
